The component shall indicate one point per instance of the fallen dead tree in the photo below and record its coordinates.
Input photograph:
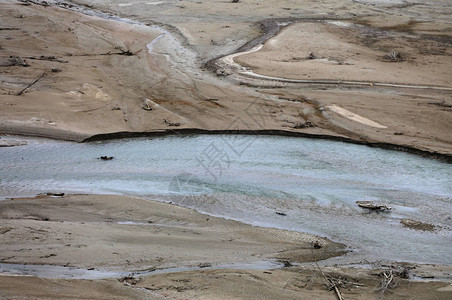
(386, 283)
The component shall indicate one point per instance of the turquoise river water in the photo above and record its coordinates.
(256, 180)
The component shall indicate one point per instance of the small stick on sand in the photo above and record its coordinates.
(338, 293)
(28, 86)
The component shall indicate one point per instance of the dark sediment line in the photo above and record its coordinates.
(191, 131)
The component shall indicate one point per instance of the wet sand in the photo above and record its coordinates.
(137, 237)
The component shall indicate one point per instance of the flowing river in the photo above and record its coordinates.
(283, 182)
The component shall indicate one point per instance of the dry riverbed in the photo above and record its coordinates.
(71, 76)
(67, 75)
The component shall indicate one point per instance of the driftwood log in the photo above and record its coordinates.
(372, 206)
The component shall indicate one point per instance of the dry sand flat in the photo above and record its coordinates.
(103, 76)
(13, 287)
(342, 51)
(85, 231)
(348, 61)
(102, 89)
(115, 231)
(202, 21)
(83, 88)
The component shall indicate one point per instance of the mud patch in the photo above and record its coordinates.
(417, 225)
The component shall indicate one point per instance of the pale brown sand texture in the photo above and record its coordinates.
(101, 91)
(83, 231)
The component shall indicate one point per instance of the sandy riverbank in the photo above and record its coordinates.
(100, 78)
(290, 283)
(123, 234)
(115, 231)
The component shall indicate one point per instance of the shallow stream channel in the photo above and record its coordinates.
(291, 183)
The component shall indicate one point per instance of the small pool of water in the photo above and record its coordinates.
(283, 182)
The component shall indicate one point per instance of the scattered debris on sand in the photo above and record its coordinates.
(13, 61)
(393, 56)
(4, 230)
(204, 265)
(442, 103)
(171, 123)
(129, 280)
(317, 245)
(387, 282)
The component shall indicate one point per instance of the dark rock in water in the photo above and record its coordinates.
(281, 213)
(287, 264)
(106, 157)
